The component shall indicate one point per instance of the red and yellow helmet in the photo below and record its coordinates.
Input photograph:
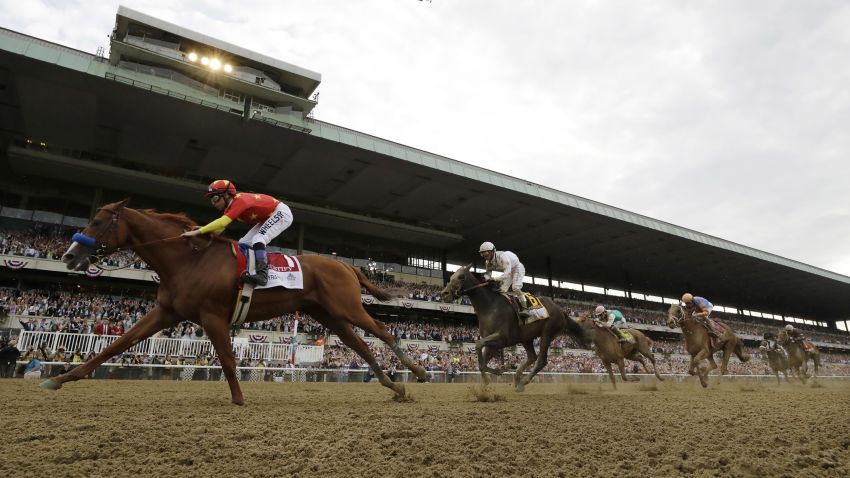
(220, 186)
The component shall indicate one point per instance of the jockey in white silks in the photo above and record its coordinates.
(512, 271)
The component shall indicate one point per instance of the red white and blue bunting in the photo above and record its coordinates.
(15, 263)
(258, 339)
(433, 348)
(367, 300)
(94, 271)
(155, 278)
(413, 347)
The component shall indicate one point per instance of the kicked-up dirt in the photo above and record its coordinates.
(649, 429)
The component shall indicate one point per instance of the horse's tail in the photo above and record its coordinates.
(376, 291)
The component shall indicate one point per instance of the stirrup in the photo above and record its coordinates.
(256, 279)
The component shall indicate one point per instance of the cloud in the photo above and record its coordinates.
(725, 117)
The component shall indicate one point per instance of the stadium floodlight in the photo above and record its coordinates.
(215, 64)
(193, 57)
(205, 61)
(228, 68)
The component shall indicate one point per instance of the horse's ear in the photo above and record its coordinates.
(124, 203)
(469, 266)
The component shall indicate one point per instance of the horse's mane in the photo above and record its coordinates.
(179, 218)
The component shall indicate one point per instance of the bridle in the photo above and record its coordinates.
(457, 292)
(101, 249)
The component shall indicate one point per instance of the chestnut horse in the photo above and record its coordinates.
(610, 350)
(699, 347)
(799, 356)
(198, 284)
(499, 326)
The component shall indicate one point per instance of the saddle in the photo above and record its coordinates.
(536, 310)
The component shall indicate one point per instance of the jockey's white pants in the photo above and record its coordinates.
(515, 280)
(264, 232)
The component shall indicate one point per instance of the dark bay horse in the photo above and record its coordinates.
(500, 328)
(777, 360)
(198, 284)
(610, 350)
(799, 356)
(699, 347)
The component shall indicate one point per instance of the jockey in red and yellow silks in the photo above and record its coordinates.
(269, 216)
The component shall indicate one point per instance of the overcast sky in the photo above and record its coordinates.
(731, 118)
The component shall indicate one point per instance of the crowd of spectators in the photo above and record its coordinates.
(44, 241)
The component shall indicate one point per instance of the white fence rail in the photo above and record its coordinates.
(85, 343)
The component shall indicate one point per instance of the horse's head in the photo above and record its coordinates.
(105, 233)
(585, 321)
(782, 337)
(675, 316)
(459, 283)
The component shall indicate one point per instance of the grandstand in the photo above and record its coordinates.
(169, 110)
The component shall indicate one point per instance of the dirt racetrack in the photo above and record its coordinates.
(148, 428)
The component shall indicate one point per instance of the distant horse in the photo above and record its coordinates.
(699, 346)
(610, 350)
(499, 325)
(777, 360)
(198, 284)
(799, 356)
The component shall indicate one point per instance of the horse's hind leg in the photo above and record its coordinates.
(542, 360)
(377, 328)
(217, 330)
(649, 355)
(355, 343)
(154, 321)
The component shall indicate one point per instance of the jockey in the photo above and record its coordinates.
(615, 320)
(794, 334)
(770, 344)
(512, 271)
(699, 308)
(269, 216)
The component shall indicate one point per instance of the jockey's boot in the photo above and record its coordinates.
(622, 338)
(708, 327)
(261, 277)
(522, 309)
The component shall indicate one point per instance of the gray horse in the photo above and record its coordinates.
(499, 326)
(777, 360)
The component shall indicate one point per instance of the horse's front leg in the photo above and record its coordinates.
(217, 328)
(491, 342)
(154, 321)
(610, 374)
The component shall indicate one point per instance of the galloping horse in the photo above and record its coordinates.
(799, 356)
(198, 284)
(499, 326)
(610, 350)
(777, 360)
(698, 345)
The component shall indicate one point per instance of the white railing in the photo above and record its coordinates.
(86, 343)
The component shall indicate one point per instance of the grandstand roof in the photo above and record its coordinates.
(347, 180)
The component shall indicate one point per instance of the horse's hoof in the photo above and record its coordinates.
(240, 402)
(520, 387)
(50, 385)
(426, 379)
